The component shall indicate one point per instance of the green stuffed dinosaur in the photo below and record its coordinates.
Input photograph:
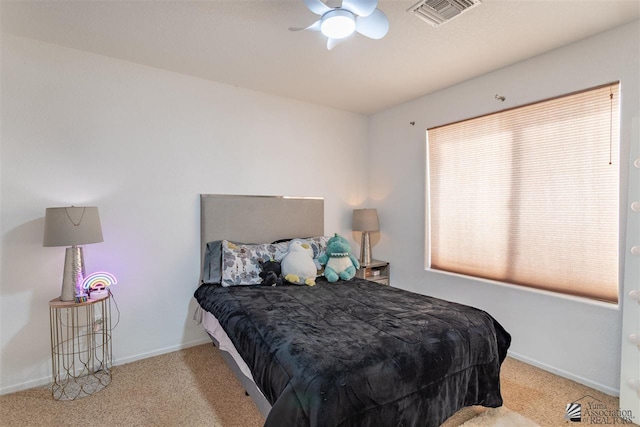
(338, 261)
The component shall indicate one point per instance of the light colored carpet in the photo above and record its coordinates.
(194, 387)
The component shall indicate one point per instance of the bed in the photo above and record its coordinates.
(353, 353)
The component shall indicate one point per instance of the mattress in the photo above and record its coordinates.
(215, 330)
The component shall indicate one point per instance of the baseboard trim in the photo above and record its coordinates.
(123, 361)
(161, 351)
(25, 385)
(562, 373)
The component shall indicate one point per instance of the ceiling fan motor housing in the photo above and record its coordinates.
(338, 24)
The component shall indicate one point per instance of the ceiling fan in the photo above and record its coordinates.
(338, 23)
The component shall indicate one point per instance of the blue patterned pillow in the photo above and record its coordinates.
(318, 245)
(240, 262)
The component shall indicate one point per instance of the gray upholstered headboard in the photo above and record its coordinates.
(258, 219)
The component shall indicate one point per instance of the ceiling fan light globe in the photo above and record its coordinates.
(338, 24)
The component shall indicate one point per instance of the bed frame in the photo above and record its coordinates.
(257, 219)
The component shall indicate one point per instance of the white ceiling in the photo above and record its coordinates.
(247, 43)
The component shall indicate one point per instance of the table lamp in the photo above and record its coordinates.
(365, 220)
(71, 227)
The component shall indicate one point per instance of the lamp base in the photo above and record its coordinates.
(73, 273)
(365, 249)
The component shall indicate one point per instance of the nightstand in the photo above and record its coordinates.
(377, 271)
(80, 347)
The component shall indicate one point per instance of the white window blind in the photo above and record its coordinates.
(529, 196)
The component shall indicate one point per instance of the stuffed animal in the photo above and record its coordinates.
(271, 273)
(297, 264)
(338, 261)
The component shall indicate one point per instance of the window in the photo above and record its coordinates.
(530, 195)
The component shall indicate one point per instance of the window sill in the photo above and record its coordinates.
(572, 298)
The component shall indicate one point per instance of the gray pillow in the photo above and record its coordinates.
(211, 271)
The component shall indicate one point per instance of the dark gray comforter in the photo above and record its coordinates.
(361, 354)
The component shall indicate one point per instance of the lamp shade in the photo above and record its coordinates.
(72, 226)
(365, 220)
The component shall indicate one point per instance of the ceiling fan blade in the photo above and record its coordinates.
(374, 26)
(317, 7)
(331, 43)
(360, 7)
(313, 27)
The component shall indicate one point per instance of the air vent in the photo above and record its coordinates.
(437, 12)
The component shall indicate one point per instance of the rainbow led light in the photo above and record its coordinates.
(98, 281)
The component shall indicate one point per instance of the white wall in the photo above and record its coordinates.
(141, 144)
(577, 339)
